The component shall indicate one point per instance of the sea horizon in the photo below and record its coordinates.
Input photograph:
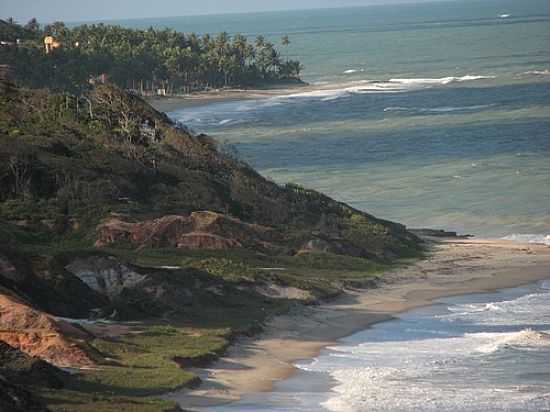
(124, 21)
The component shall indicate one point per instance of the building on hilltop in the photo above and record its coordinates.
(103, 78)
(51, 44)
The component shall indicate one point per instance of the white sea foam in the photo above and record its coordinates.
(531, 309)
(544, 72)
(443, 109)
(383, 86)
(351, 71)
(433, 366)
(390, 389)
(529, 238)
(504, 16)
(230, 113)
(439, 81)
(525, 338)
(429, 375)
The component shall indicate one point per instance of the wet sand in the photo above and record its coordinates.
(454, 267)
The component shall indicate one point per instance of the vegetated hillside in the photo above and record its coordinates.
(69, 163)
(110, 210)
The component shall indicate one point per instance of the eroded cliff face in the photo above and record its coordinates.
(33, 331)
(197, 231)
(38, 334)
(105, 275)
(132, 292)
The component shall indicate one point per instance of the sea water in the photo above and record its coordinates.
(433, 115)
(475, 353)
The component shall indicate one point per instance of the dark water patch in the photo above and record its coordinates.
(416, 146)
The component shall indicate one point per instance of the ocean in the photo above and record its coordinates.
(434, 115)
(475, 353)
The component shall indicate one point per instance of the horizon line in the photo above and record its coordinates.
(115, 19)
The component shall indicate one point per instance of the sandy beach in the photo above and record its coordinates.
(169, 104)
(453, 267)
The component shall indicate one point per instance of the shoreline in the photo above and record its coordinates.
(203, 98)
(453, 267)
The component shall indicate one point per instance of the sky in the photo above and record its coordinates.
(91, 10)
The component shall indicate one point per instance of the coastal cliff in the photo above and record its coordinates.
(133, 249)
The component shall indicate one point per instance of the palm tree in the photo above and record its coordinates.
(32, 25)
(260, 42)
(285, 42)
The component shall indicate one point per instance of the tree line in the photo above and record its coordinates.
(141, 60)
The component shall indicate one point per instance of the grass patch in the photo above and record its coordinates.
(144, 367)
(145, 358)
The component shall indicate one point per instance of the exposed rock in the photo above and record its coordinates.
(199, 230)
(38, 334)
(274, 291)
(206, 241)
(132, 292)
(332, 246)
(105, 275)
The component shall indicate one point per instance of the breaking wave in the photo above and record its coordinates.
(524, 338)
(529, 238)
(434, 375)
(440, 81)
(444, 109)
(384, 86)
(351, 71)
(480, 356)
(544, 72)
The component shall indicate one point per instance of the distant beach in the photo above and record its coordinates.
(172, 103)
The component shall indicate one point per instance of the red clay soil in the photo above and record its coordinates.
(40, 335)
(199, 230)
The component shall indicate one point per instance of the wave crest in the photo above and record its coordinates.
(443, 109)
(529, 238)
(526, 337)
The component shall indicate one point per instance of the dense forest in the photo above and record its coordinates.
(140, 60)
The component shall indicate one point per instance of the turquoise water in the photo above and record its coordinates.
(435, 114)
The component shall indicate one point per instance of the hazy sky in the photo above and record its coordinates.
(74, 10)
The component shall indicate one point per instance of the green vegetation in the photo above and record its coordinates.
(104, 180)
(141, 60)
